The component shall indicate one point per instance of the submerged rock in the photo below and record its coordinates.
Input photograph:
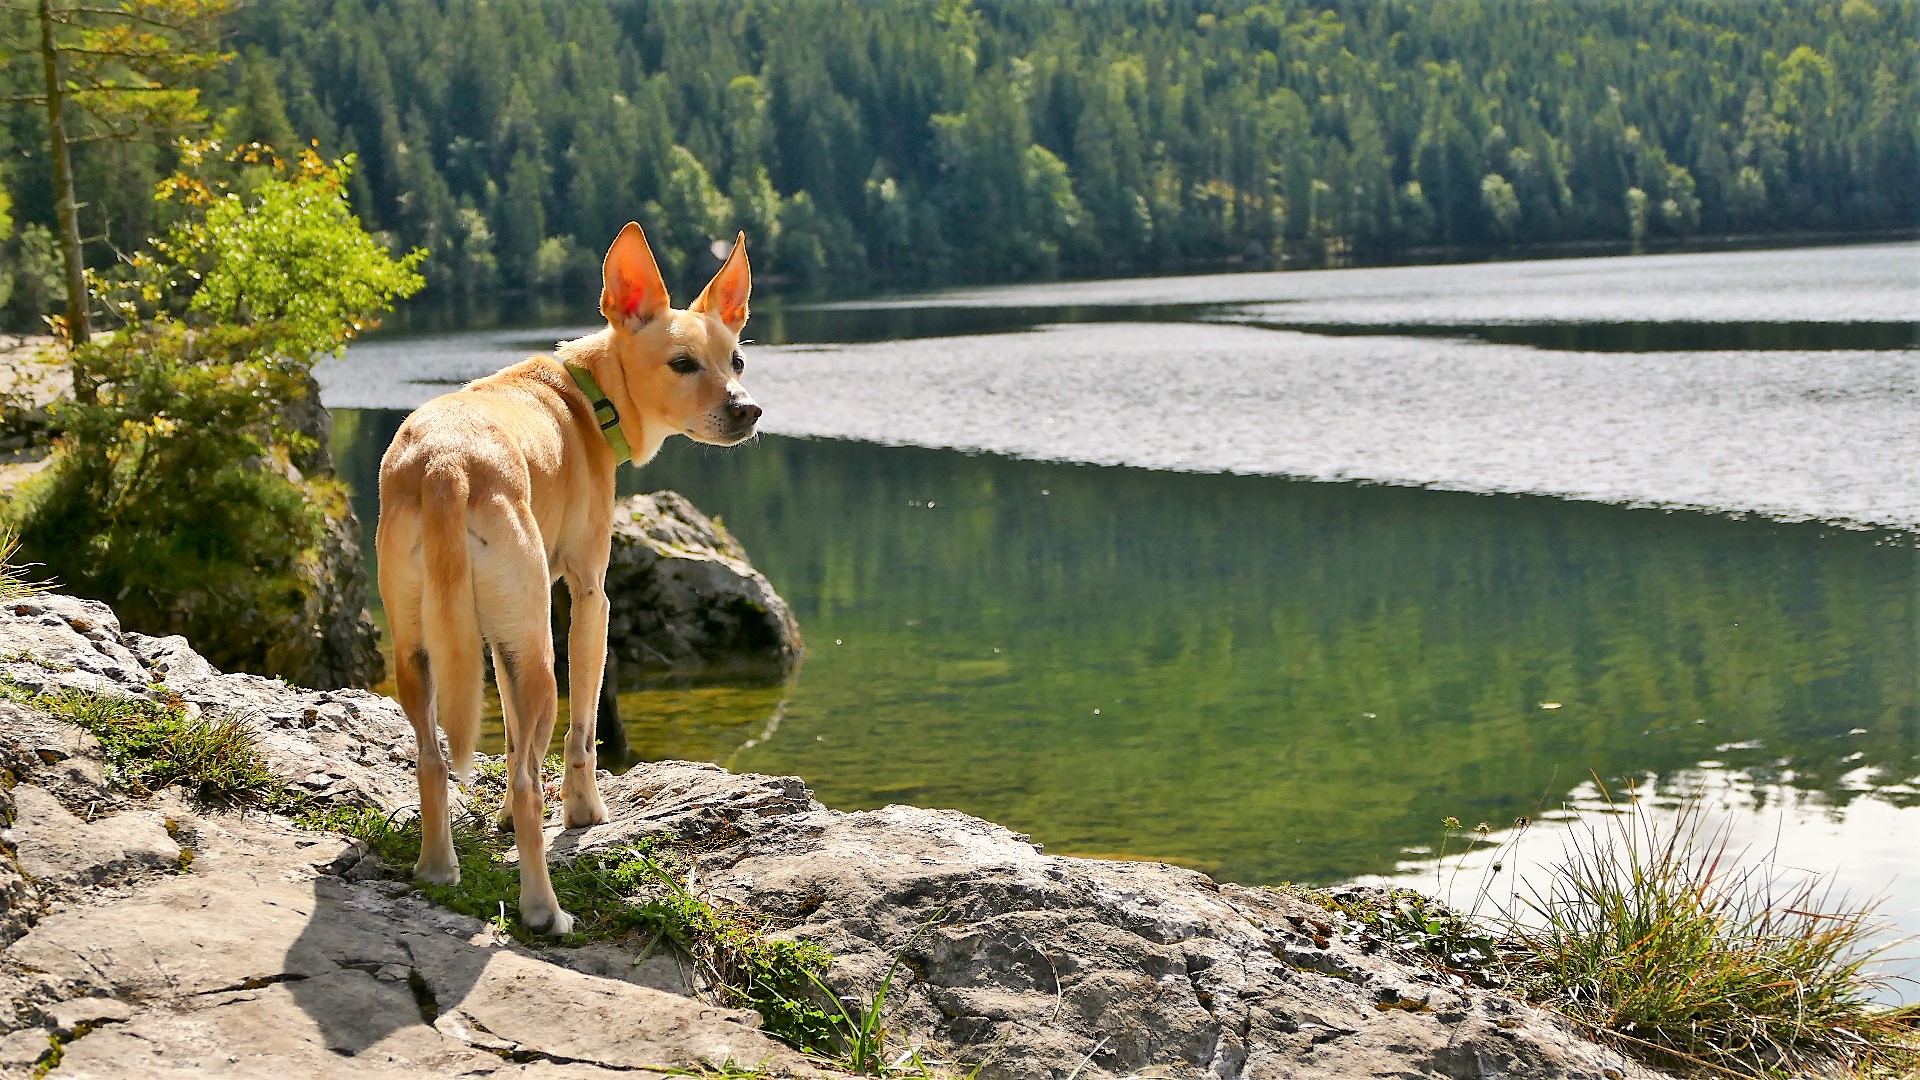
(686, 602)
(271, 951)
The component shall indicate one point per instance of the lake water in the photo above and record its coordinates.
(1067, 556)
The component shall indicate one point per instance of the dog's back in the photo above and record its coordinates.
(473, 496)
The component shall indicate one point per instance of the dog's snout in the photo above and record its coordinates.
(743, 411)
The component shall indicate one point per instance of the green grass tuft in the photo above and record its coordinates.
(1656, 940)
(153, 744)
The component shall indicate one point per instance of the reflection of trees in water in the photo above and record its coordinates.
(1247, 627)
(1296, 681)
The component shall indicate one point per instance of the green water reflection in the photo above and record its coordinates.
(1269, 680)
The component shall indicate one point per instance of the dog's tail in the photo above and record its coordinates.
(450, 622)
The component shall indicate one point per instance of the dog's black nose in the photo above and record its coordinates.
(744, 412)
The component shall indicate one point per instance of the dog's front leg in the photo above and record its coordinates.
(586, 662)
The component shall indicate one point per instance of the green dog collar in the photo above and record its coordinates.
(603, 412)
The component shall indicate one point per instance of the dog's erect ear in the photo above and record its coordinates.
(725, 297)
(632, 291)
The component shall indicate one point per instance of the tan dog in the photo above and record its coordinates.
(491, 493)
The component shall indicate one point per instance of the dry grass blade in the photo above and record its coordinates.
(15, 581)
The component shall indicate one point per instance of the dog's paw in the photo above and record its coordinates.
(437, 871)
(503, 821)
(553, 922)
(582, 812)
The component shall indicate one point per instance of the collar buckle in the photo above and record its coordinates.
(603, 412)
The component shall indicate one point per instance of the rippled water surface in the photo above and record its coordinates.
(1124, 620)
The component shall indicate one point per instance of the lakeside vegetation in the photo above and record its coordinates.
(933, 141)
(190, 488)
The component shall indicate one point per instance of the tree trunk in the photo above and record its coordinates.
(66, 207)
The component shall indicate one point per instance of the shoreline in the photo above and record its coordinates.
(535, 310)
(1150, 964)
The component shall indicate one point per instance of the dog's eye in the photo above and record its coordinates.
(685, 365)
(739, 363)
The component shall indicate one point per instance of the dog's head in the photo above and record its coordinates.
(681, 366)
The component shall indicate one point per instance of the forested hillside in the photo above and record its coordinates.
(925, 141)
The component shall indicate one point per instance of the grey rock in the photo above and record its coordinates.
(56, 640)
(659, 970)
(67, 1017)
(345, 745)
(269, 958)
(692, 800)
(258, 962)
(20, 902)
(349, 745)
(54, 847)
(21, 1050)
(1037, 965)
(685, 602)
(343, 646)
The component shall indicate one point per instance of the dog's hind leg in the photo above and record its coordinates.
(413, 678)
(450, 636)
(503, 822)
(586, 664)
(518, 589)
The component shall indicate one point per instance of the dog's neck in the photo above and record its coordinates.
(595, 352)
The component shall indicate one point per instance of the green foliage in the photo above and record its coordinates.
(173, 494)
(898, 143)
(6, 232)
(155, 744)
(1417, 928)
(903, 142)
(170, 495)
(34, 272)
(132, 68)
(289, 255)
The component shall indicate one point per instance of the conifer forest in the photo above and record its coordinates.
(924, 142)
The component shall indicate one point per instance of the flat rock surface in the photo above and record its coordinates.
(267, 955)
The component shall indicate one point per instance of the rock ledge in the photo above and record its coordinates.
(154, 938)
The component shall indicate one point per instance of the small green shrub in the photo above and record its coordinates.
(170, 495)
(1417, 928)
(152, 744)
(189, 490)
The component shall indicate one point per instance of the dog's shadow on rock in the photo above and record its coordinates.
(389, 975)
(367, 965)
